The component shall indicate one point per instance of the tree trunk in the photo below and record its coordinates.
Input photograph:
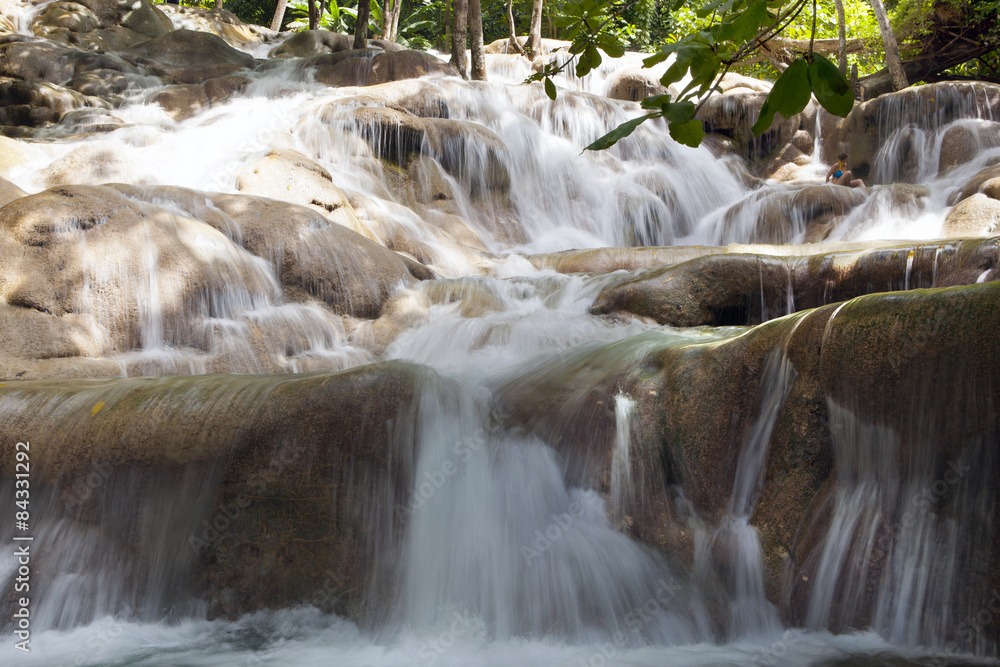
(279, 15)
(476, 40)
(892, 59)
(513, 45)
(313, 14)
(361, 25)
(390, 19)
(218, 4)
(842, 37)
(459, 25)
(534, 44)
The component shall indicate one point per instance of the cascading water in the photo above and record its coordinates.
(500, 512)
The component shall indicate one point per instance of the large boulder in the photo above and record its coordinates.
(928, 107)
(106, 25)
(740, 289)
(978, 183)
(186, 56)
(312, 43)
(288, 502)
(407, 64)
(241, 283)
(633, 84)
(219, 22)
(732, 116)
(977, 215)
(42, 61)
(963, 142)
(782, 426)
(290, 176)
(34, 104)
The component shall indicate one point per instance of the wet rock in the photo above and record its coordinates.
(38, 104)
(634, 84)
(732, 115)
(741, 289)
(52, 243)
(181, 101)
(223, 88)
(976, 184)
(357, 282)
(963, 142)
(93, 164)
(102, 83)
(88, 121)
(292, 177)
(608, 260)
(930, 106)
(407, 64)
(106, 25)
(344, 68)
(977, 215)
(469, 151)
(331, 546)
(186, 56)
(223, 23)
(9, 192)
(312, 43)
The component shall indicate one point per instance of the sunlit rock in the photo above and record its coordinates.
(978, 215)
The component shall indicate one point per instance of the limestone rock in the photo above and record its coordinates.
(633, 84)
(189, 57)
(353, 446)
(407, 64)
(223, 23)
(37, 104)
(9, 192)
(289, 176)
(739, 289)
(976, 184)
(106, 25)
(977, 215)
(962, 142)
(181, 101)
(312, 43)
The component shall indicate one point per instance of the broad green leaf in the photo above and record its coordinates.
(689, 133)
(789, 96)
(655, 59)
(830, 87)
(620, 132)
(747, 24)
(550, 88)
(677, 69)
(678, 112)
(611, 45)
(589, 60)
(655, 102)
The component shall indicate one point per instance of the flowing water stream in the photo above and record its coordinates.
(506, 560)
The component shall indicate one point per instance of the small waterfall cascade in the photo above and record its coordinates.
(622, 488)
(734, 543)
(343, 414)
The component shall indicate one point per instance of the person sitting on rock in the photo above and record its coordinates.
(840, 174)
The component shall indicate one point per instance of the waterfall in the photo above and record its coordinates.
(315, 374)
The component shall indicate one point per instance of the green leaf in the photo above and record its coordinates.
(689, 133)
(589, 60)
(655, 59)
(677, 69)
(620, 132)
(789, 96)
(747, 24)
(655, 102)
(679, 112)
(830, 87)
(611, 45)
(550, 88)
